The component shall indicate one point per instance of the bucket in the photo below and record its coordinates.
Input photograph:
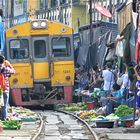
(90, 105)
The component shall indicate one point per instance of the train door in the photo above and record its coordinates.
(40, 58)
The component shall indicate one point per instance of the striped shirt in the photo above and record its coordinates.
(7, 71)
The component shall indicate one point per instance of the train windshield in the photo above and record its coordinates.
(40, 49)
(61, 47)
(19, 49)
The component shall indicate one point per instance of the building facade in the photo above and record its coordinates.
(70, 12)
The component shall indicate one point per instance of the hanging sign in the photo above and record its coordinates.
(18, 7)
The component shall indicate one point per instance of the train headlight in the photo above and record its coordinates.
(35, 24)
(43, 24)
(39, 24)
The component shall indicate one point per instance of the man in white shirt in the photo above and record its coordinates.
(108, 77)
(109, 80)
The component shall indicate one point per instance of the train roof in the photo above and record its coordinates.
(27, 28)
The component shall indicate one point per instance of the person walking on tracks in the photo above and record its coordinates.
(6, 69)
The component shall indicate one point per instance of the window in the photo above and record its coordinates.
(54, 3)
(61, 47)
(39, 49)
(43, 4)
(19, 49)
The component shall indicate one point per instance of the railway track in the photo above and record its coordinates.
(59, 125)
(63, 126)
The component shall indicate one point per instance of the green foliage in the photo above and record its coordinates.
(123, 110)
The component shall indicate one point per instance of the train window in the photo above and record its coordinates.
(40, 49)
(19, 49)
(61, 47)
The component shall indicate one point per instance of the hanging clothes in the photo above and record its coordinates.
(133, 43)
(137, 54)
(125, 15)
(127, 34)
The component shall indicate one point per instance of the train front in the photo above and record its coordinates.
(41, 52)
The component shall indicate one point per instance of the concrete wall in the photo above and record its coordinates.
(81, 13)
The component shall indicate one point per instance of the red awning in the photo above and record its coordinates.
(103, 10)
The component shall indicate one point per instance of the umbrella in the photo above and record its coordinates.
(103, 10)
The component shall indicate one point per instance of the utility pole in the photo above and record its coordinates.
(91, 35)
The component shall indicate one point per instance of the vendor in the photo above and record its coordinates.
(95, 79)
(82, 80)
(115, 99)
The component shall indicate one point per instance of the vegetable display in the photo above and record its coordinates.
(123, 110)
(81, 106)
(112, 117)
(11, 124)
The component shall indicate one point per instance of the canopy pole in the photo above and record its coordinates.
(90, 3)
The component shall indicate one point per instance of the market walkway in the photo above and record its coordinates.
(30, 126)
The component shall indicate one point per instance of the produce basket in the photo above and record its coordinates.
(104, 124)
(90, 105)
(127, 123)
(29, 119)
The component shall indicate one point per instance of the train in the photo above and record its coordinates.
(41, 52)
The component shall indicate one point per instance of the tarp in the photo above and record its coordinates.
(97, 52)
(88, 55)
(85, 44)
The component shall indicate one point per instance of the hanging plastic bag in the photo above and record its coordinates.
(120, 48)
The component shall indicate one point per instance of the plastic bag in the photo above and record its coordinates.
(119, 48)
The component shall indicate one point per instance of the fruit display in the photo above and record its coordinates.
(87, 114)
(91, 118)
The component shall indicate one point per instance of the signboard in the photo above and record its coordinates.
(18, 7)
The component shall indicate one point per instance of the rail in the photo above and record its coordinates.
(40, 128)
(95, 137)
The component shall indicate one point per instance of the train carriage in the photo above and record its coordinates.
(41, 52)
